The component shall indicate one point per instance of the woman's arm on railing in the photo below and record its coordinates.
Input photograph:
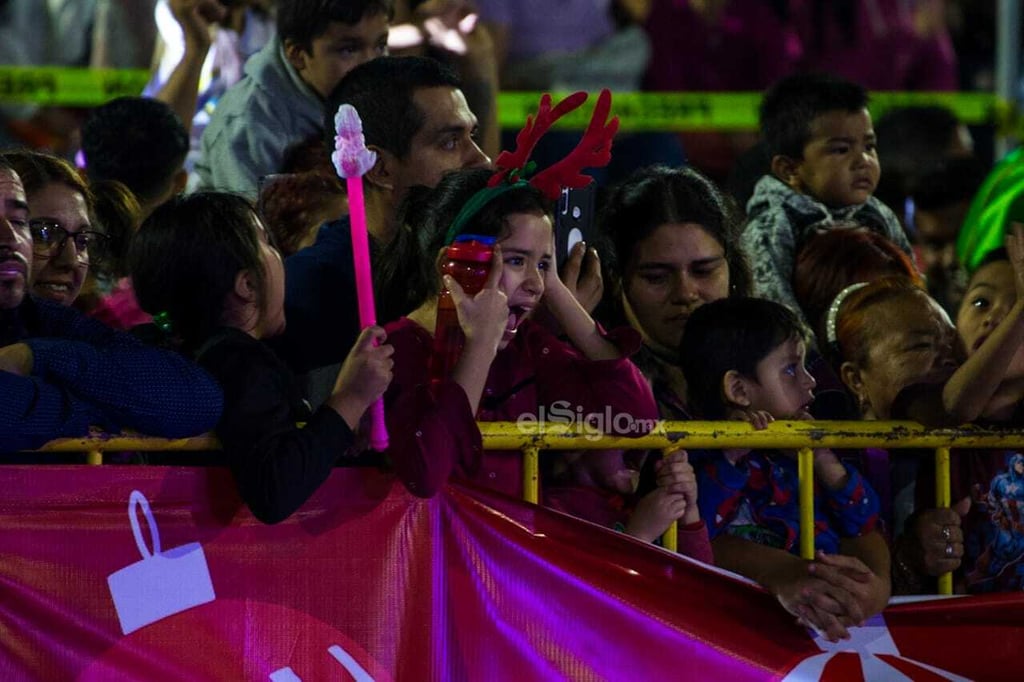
(815, 602)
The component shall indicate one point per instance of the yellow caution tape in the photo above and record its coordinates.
(704, 111)
(62, 86)
(637, 111)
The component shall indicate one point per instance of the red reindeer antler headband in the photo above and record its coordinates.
(593, 151)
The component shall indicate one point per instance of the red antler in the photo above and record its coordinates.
(531, 133)
(593, 151)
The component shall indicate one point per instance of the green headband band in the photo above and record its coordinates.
(477, 202)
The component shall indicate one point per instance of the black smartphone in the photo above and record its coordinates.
(574, 220)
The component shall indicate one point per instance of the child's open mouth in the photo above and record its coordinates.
(517, 314)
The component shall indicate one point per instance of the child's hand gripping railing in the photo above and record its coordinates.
(532, 437)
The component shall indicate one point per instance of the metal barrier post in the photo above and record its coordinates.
(670, 538)
(531, 477)
(942, 501)
(805, 470)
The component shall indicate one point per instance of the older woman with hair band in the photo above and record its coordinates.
(826, 264)
(831, 261)
(61, 208)
(671, 245)
(884, 336)
(898, 352)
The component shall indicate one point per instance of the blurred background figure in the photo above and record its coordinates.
(579, 45)
(714, 46)
(931, 174)
(200, 51)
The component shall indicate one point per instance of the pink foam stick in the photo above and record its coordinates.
(352, 159)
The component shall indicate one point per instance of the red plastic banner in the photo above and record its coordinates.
(146, 573)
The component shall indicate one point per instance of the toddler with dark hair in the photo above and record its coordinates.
(744, 358)
(824, 169)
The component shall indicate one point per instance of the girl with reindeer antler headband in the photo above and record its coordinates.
(510, 368)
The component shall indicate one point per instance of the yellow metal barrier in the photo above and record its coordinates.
(532, 437)
(805, 470)
(943, 500)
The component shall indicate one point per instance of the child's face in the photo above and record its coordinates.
(526, 261)
(783, 387)
(272, 318)
(840, 162)
(672, 272)
(906, 338)
(991, 293)
(337, 51)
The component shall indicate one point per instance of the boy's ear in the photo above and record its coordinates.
(382, 175)
(295, 55)
(245, 288)
(734, 388)
(785, 168)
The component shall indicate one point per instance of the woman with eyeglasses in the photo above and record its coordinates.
(66, 242)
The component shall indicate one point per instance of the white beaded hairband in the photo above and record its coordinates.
(833, 312)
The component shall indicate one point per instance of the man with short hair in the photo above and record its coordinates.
(139, 142)
(62, 373)
(280, 100)
(416, 119)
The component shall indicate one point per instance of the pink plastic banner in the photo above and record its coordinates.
(146, 573)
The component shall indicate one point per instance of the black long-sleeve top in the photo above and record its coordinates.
(276, 464)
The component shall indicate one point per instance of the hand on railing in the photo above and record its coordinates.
(759, 419)
(934, 541)
(675, 499)
(675, 473)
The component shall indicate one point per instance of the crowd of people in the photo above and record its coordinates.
(147, 291)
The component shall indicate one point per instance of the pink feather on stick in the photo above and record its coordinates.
(352, 160)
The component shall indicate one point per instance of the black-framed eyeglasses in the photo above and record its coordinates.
(49, 240)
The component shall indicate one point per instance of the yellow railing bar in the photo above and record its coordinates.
(665, 434)
(942, 501)
(105, 443)
(721, 435)
(805, 470)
